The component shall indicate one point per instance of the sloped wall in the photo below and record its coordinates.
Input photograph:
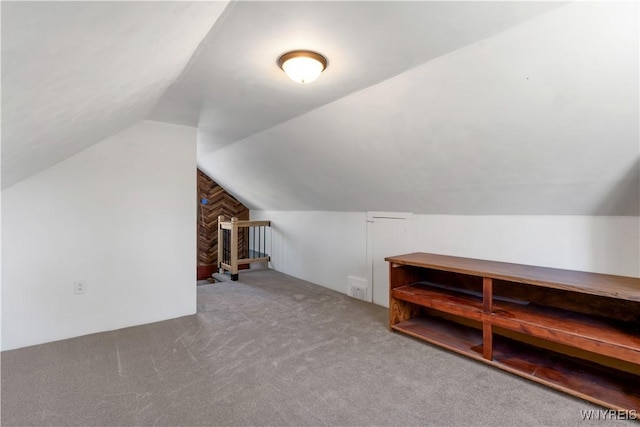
(118, 216)
(76, 72)
(542, 119)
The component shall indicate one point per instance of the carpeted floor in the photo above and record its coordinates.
(269, 350)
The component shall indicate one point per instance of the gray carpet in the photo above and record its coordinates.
(269, 350)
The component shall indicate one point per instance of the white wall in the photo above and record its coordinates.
(119, 216)
(601, 244)
(321, 247)
(326, 247)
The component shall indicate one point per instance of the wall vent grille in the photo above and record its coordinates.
(358, 292)
(358, 288)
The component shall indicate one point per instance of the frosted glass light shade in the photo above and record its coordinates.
(302, 66)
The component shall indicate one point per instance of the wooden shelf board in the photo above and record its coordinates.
(441, 299)
(598, 384)
(566, 327)
(591, 283)
(450, 335)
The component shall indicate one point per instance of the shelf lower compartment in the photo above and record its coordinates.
(445, 333)
(598, 384)
(604, 386)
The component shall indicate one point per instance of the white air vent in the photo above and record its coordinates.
(358, 288)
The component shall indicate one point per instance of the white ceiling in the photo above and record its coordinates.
(233, 87)
(74, 73)
(429, 107)
(539, 119)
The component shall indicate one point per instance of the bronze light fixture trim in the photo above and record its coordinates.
(302, 66)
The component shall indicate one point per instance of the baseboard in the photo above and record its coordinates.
(205, 271)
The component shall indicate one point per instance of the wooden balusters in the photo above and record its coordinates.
(228, 238)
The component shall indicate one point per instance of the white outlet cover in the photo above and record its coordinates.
(79, 287)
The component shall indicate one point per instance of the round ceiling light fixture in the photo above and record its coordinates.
(302, 66)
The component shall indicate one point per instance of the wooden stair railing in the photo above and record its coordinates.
(230, 233)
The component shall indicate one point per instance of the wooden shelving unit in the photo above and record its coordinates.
(574, 331)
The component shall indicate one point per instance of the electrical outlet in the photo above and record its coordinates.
(79, 288)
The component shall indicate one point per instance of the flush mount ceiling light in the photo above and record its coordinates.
(302, 66)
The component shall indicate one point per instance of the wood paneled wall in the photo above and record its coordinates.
(219, 203)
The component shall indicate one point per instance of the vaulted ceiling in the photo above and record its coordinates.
(75, 73)
(429, 107)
